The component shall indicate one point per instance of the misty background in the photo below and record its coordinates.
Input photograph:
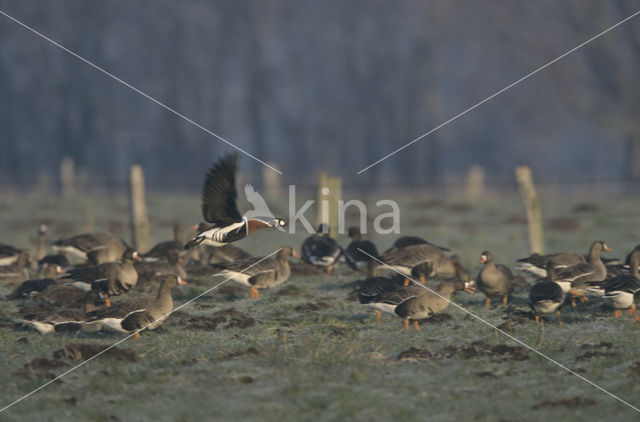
(315, 86)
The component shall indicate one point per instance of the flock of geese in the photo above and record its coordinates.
(414, 279)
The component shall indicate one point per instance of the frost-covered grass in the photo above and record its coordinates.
(312, 354)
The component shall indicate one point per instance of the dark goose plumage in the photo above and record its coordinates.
(219, 208)
(546, 296)
(354, 255)
(321, 250)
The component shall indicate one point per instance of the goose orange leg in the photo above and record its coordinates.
(255, 294)
(423, 280)
(329, 270)
(406, 282)
(537, 318)
(616, 314)
(416, 325)
(634, 311)
(406, 325)
(487, 303)
(559, 320)
(378, 316)
(136, 336)
(505, 300)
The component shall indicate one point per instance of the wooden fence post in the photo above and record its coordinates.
(329, 193)
(532, 209)
(138, 206)
(67, 176)
(475, 183)
(41, 246)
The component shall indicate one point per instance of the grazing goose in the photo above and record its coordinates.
(321, 250)
(259, 273)
(439, 269)
(404, 241)
(57, 259)
(624, 268)
(18, 271)
(619, 291)
(65, 319)
(147, 271)
(494, 280)
(546, 296)
(354, 255)
(8, 254)
(29, 287)
(110, 278)
(418, 302)
(106, 247)
(219, 208)
(142, 312)
(536, 264)
(574, 279)
(405, 259)
(162, 250)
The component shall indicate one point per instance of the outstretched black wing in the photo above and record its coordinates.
(219, 193)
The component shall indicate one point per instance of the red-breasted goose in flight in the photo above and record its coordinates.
(220, 209)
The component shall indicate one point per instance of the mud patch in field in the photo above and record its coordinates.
(499, 353)
(312, 306)
(250, 352)
(595, 350)
(229, 318)
(435, 319)
(84, 351)
(414, 354)
(571, 402)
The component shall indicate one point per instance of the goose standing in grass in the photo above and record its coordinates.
(220, 210)
(18, 271)
(141, 312)
(574, 279)
(620, 290)
(103, 246)
(58, 260)
(405, 259)
(147, 271)
(29, 287)
(163, 250)
(494, 280)
(536, 264)
(110, 278)
(620, 268)
(321, 250)
(259, 273)
(57, 320)
(359, 252)
(546, 296)
(419, 302)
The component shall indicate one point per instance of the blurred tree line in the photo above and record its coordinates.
(319, 85)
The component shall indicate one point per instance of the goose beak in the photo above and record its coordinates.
(483, 259)
(193, 227)
(607, 249)
(181, 282)
(136, 256)
(469, 286)
(59, 270)
(295, 254)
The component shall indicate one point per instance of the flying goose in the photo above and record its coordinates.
(357, 252)
(217, 254)
(65, 319)
(546, 296)
(494, 280)
(321, 250)
(574, 279)
(103, 246)
(259, 273)
(141, 312)
(110, 278)
(219, 208)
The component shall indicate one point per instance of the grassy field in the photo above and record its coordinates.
(305, 351)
